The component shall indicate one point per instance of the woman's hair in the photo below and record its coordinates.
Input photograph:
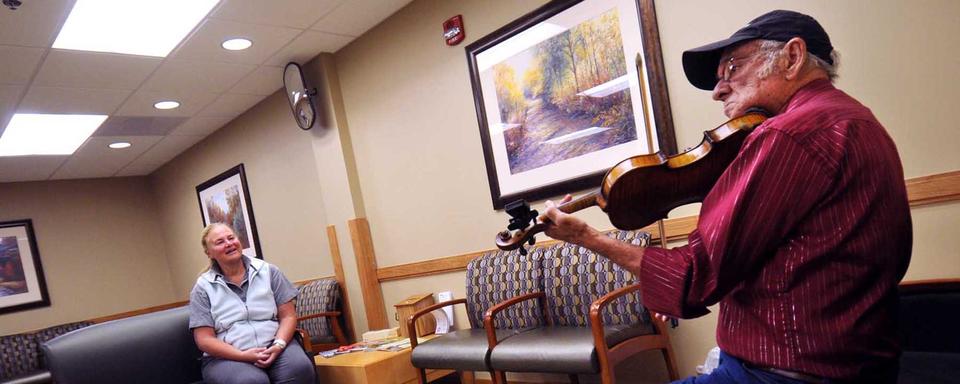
(203, 240)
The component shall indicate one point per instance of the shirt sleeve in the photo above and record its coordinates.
(283, 289)
(772, 184)
(200, 315)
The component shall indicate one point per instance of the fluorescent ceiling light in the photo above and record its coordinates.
(167, 104)
(237, 44)
(120, 145)
(35, 134)
(135, 27)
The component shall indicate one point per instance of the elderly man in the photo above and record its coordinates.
(803, 239)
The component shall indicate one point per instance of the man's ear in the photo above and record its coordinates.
(796, 57)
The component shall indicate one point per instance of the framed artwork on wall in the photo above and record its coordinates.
(567, 91)
(226, 199)
(22, 285)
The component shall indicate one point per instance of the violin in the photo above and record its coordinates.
(642, 189)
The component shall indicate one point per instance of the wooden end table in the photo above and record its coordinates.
(372, 367)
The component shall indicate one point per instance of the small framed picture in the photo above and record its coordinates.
(22, 285)
(226, 199)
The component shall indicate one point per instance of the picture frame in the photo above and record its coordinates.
(565, 92)
(225, 198)
(22, 282)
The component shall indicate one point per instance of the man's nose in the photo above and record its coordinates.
(721, 90)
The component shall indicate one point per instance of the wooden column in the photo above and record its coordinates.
(342, 280)
(367, 269)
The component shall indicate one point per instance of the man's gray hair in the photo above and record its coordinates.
(771, 50)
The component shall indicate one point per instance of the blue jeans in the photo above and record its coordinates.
(733, 371)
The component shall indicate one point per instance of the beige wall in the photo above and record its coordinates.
(99, 246)
(410, 108)
(284, 189)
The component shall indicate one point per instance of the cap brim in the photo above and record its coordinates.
(700, 64)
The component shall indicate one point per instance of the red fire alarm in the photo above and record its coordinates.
(453, 30)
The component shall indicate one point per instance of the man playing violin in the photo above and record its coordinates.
(804, 237)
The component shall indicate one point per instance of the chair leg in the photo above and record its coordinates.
(466, 377)
(671, 363)
(498, 377)
(574, 379)
(422, 375)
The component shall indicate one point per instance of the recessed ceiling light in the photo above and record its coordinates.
(237, 44)
(136, 27)
(120, 145)
(166, 104)
(35, 134)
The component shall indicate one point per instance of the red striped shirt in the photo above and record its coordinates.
(802, 241)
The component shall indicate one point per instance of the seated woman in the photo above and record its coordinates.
(243, 317)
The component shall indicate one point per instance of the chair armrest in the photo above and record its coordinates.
(411, 322)
(334, 325)
(596, 319)
(489, 315)
(304, 339)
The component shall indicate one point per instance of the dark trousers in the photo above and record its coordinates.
(734, 371)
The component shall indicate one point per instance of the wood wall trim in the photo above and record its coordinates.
(931, 189)
(341, 280)
(367, 269)
(921, 191)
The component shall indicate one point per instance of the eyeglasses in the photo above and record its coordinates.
(731, 66)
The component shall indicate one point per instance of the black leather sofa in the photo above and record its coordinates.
(155, 348)
(929, 310)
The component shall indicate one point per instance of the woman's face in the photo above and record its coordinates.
(223, 246)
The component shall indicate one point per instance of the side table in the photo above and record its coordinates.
(371, 367)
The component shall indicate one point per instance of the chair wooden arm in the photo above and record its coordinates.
(334, 324)
(411, 322)
(305, 339)
(489, 315)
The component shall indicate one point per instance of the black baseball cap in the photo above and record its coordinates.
(700, 64)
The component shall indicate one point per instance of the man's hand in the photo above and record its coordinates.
(268, 357)
(564, 226)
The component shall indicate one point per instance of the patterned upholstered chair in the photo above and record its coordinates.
(595, 314)
(21, 358)
(319, 317)
(491, 278)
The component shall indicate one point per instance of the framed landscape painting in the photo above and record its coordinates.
(226, 199)
(22, 285)
(567, 91)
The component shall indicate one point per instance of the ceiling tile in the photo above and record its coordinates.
(9, 95)
(18, 63)
(284, 13)
(307, 46)
(141, 103)
(264, 81)
(72, 100)
(34, 24)
(94, 159)
(204, 44)
(94, 70)
(355, 17)
(230, 105)
(201, 126)
(196, 76)
(167, 149)
(138, 125)
(28, 168)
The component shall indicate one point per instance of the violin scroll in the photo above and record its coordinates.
(523, 220)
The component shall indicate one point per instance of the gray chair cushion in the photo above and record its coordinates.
(464, 350)
(558, 349)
